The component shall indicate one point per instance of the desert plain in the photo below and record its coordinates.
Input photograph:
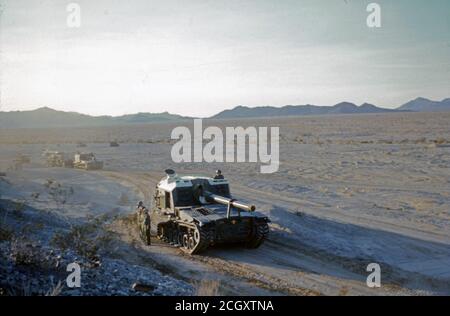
(350, 190)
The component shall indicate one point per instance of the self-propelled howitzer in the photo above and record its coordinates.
(194, 212)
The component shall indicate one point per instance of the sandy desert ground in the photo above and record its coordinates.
(351, 190)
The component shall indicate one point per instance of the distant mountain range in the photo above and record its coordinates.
(425, 105)
(295, 110)
(417, 105)
(47, 117)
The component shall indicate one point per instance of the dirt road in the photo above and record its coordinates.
(312, 249)
(285, 264)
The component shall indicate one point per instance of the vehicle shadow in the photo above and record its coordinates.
(306, 243)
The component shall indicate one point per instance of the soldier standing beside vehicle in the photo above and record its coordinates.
(144, 223)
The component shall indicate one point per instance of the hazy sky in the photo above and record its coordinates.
(197, 57)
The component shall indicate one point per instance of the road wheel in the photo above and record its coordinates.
(185, 241)
(261, 231)
(192, 243)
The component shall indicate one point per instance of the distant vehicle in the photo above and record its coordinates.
(58, 159)
(81, 145)
(114, 144)
(87, 161)
(195, 212)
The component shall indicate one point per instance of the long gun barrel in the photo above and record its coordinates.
(229, 202)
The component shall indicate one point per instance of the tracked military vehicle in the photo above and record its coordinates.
(58, 159)
(195, 212)
(87, 161)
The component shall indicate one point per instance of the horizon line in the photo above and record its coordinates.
(227, 109)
